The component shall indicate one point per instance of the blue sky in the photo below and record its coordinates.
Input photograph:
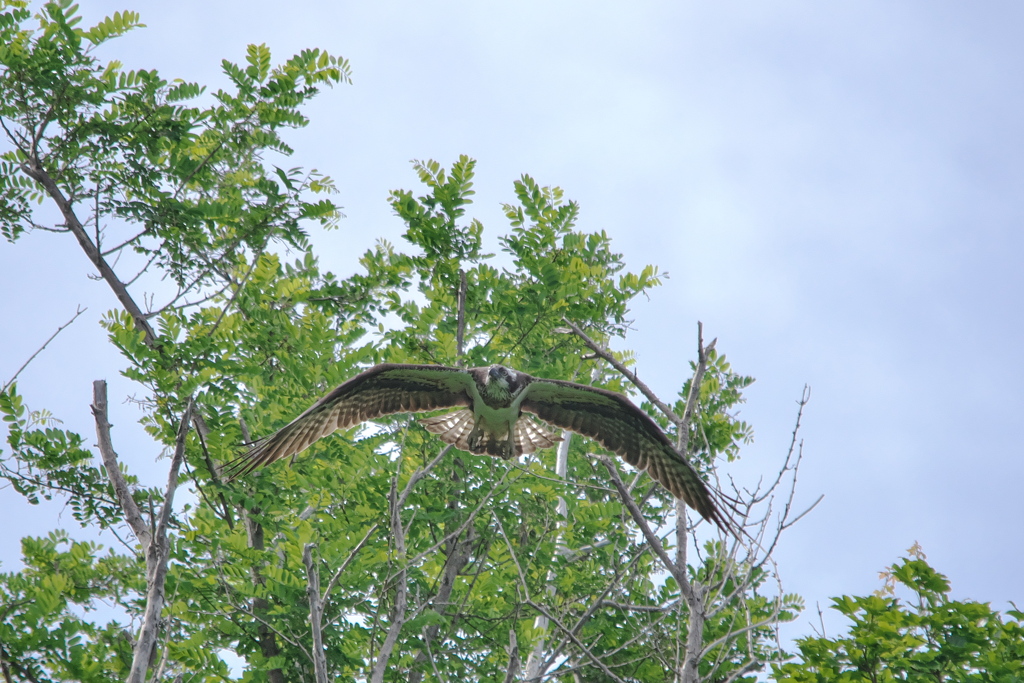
(834, 188)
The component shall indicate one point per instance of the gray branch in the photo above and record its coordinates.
(316, 613)
(154, 542)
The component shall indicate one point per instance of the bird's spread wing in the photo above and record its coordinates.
(612, 420)
(382, 390)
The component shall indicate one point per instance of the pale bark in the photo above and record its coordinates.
(315, 614)
(155, 545)
(397, 616)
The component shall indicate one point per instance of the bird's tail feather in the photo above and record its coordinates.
(455, 428)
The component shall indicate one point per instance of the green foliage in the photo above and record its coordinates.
(257, 331)
(187, 171)
(47, 461)
(44, 635)
(929, 637)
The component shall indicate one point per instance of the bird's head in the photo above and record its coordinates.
(502, 380)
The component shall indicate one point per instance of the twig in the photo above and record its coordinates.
(691, 400)
(234, 295)
(24, 365)
(124, 244)
(460, 332)
(351, 556)
(34, 169)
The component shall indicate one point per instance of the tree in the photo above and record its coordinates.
(926, 637)
(380, 555)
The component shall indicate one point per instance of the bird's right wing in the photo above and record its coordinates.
(382, 390)
(621, 427)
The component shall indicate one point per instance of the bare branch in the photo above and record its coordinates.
(351, 556)
(316, 613)
(626, 372)
(575, 641)
(53, 336)
(172, 475)
(513, 657)
(691, 400)
(460, 334)
(157, 555)
(154, 541)
(419, 474)
(401, 588)
(139, 274)
(132, 513)
(124, 244)
(652, 539)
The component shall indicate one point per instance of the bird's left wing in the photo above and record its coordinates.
(617, 424)
(384, 389)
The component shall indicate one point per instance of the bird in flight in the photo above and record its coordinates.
(491, 421)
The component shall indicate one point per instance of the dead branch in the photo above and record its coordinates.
(53, 336)
(398, 615)
(316, 613)
(683, 435)
(634, 511)
(154, 540)
(132, 513)
(513, 657)
(624, 371)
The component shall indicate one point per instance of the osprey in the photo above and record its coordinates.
(491, 421)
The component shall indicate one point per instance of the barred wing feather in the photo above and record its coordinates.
(616, 423)
(384, 389)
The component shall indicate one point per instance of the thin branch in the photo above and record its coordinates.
(124, 244)
(691, 399)
(419, 474)
(626, 372)
(576, 641)
(234, 295)
(201, 431)
(172, 475)
(33, 169)
(460, 332)
(139, 274)
(351, 556)
(466, 523)
(652, 539)
(53, 336)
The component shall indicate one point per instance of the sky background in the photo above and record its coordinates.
(834, 189)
